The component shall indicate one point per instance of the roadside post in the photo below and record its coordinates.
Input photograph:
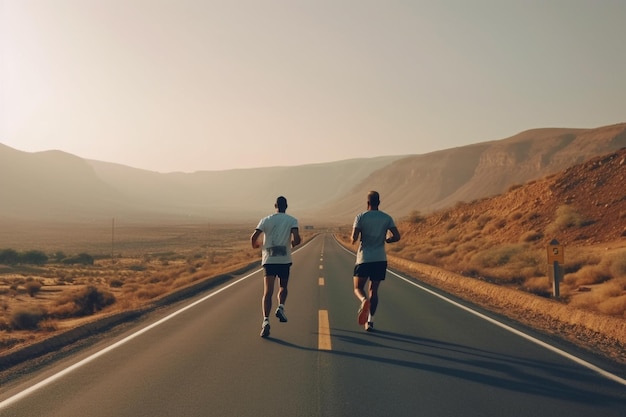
(556, 259)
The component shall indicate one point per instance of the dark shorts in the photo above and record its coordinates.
(375, 271)
(277, 270)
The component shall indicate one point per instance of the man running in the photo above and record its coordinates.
(370, 228)
(280, 234)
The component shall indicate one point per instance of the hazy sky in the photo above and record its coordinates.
(187, 85)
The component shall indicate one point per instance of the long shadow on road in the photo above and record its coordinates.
(499, 370)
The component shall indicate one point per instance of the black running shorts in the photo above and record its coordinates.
(375, 271)
(277, 270)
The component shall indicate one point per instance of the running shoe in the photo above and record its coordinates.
(369, 326)
(280, 313)
(265, 329)
(364, 311)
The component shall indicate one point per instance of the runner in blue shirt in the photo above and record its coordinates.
(371, 229)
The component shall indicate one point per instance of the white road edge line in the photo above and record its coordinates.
(545, 345)
(102, 352)
(23, 394)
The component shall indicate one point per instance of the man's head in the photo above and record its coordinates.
(373, 199)
(281, 204)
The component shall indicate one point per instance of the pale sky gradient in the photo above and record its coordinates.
(188, 85)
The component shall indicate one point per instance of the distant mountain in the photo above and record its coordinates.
(55, 185)
(241, 193)
(437, 180)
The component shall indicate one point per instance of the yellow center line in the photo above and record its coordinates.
(321, 281)
(323, 340)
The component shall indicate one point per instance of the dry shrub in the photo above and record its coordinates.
(474, 237)
(116, 283)
(449, 237)
(500, 223)
(577, 258)
(533, 215)
(532, 236)
(49, 325)
(490, 230)
(83, 302)
(130, 288)
(27, 318)
(608, 267)
(150, 291)
(588, 275)
(32, 287)
(443, 252)
(538, 285)
(615, 306)
(4, 326)
(466, 217)
(416, 217)
(467, 247)
(513, 262)
(425, 258)
(566, 217)
(395, 249)
(497, 255)
(608, 298)
(482, 220)
(617, 263)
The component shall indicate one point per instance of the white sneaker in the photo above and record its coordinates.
(280, 313)
(265, 328)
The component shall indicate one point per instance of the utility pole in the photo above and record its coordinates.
(113, 241)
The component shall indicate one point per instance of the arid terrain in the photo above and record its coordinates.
(501, 243)
(490, 251)
(94, 272)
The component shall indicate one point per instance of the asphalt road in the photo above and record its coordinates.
(427, 357)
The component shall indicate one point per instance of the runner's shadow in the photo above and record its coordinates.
(505, 371)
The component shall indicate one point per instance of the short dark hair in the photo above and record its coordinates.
(281, 202)
(373, 198)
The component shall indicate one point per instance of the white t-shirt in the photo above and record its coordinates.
(373, 225)
(276, 230)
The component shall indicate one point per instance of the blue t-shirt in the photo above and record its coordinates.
(276, 230)
(374, 225)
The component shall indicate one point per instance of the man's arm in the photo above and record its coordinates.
(395, 235)
(356, 232)
(254, 239)
(296, 237)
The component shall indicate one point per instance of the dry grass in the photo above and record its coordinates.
(133, 266)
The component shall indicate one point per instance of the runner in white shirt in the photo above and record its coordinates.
(280, 234)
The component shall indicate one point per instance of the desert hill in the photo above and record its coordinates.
(53, 185)
(442, 179)
(58, 186)
(583, 205)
